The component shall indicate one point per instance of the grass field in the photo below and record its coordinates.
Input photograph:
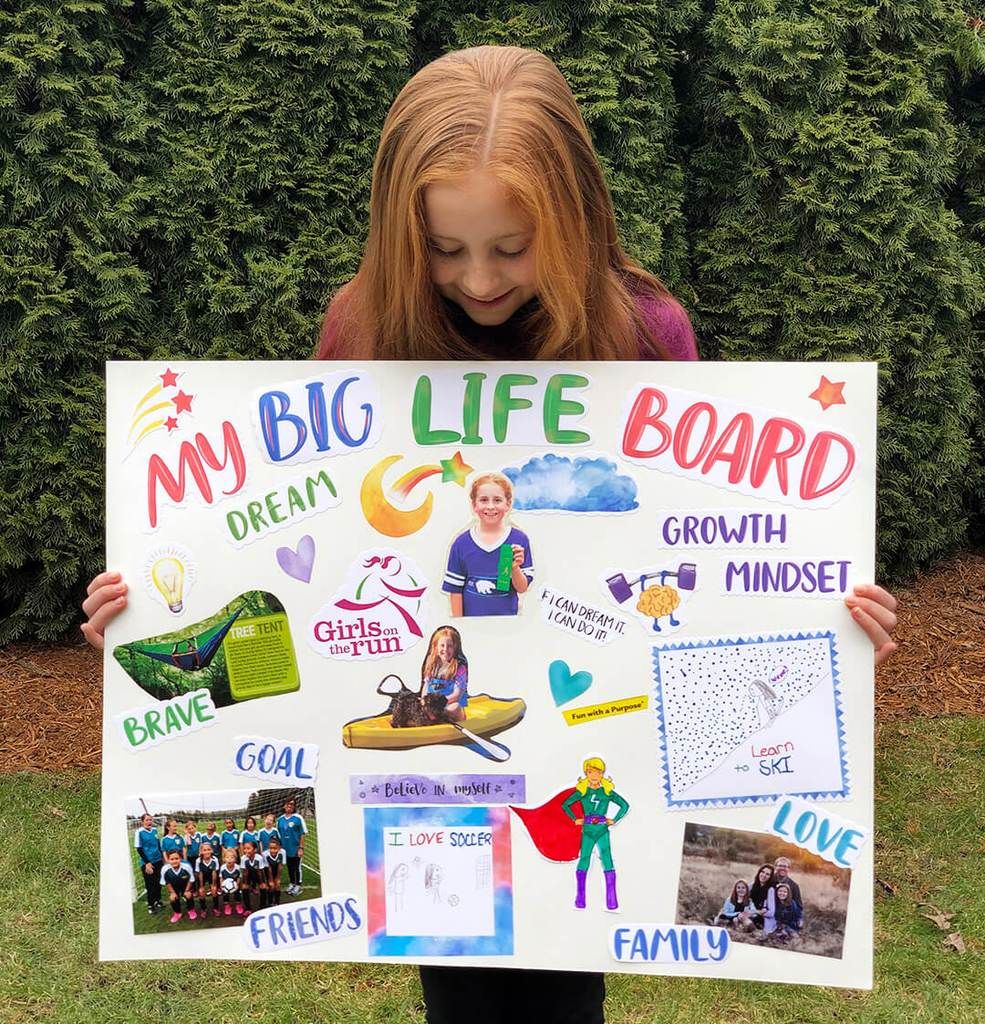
(151, 924)
(929, 847)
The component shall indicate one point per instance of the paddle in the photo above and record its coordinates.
(486, 748)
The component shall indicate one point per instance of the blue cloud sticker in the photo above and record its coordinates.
(583, 484)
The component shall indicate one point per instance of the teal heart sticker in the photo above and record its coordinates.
(565, 684)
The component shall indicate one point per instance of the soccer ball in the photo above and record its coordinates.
(229, 885)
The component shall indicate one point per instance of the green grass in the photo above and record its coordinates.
(930, 806)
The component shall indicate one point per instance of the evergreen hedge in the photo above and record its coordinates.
(189, 179)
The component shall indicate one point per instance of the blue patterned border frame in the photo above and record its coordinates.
(737, 801)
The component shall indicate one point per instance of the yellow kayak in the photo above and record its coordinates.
(484, 715)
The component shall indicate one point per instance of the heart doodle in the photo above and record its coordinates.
(298, 563)
(565, 684)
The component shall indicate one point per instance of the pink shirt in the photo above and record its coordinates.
(666, 319)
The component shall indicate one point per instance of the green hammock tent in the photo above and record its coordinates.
(191, 653)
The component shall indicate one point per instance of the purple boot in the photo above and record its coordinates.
(611, 903)
(580, 877)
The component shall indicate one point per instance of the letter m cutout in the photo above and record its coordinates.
(196, 460)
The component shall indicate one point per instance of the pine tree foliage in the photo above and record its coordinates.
(821, 231)
(183, 178)
(967, 101)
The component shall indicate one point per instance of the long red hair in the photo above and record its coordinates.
(510, 112)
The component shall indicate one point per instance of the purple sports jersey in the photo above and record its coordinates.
(473, 569)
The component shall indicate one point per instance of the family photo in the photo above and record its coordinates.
(209, 860)
(765, 891)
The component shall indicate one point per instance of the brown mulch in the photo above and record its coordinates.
(51, 694)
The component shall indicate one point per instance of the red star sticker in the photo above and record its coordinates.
(171, 423)
(182, 402)
(829, 392)
(168, 379)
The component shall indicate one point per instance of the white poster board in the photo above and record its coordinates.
(650, 559)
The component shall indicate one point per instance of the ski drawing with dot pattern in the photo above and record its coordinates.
(714, 696)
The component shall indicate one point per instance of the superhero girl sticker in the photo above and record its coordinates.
(576, 823)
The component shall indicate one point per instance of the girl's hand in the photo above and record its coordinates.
(579, 821)
(517, 555)
(874, 609)
(107, 598)
(148, 869)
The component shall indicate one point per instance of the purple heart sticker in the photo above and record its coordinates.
(298, 563)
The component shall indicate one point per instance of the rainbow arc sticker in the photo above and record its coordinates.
(386, 517)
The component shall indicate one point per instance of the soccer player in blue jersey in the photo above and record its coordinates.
(275, 859)
(171, 840)
(292, 830)
(230, 837)
(179, 879)
(267, 833)
(207, 874)
(148, 846)
(213, 838)
(249, 833)
(230, 882)
(193, 841)
(254, 878)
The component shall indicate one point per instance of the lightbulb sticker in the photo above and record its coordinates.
(169, 573)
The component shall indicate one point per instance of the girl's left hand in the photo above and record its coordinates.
(874, 609)
(517, 555)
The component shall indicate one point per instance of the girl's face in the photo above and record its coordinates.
(229, 824)
(147, 821)
(229, 856)
(445, 648)
(189, 827)
(481, 247)
(765, 874)
(783, 892)
(269, 821)
(741, 890)
(491, 504)
(594, 776)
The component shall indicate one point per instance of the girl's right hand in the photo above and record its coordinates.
(107, 598)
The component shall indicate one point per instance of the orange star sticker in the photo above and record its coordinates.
(828, 392)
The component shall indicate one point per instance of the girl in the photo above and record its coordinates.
(193, 842)
(784, 916)
(179, 879)
(737, 908)
(275, 859)
(489, 564)
(492, 235)
(148, 846)
(267, 833)
(207, 875)
(446, 672)
(254, 881)
(292, 829)
(760, 889)
(229, 839)
(212, 837)
(230, 882)
(249, 833)
(172, 841)
(594, 793)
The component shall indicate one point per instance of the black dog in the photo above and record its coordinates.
(408, 709)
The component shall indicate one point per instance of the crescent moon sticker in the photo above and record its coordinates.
(384, 517)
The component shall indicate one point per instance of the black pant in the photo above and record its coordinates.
(152, 883)
(491, 995)
(294, 870)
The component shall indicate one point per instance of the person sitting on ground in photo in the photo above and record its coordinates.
(758, 892)
(737, 910)
(782, 874)
(784, 915)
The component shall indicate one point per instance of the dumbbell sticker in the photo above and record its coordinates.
(655, 603)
